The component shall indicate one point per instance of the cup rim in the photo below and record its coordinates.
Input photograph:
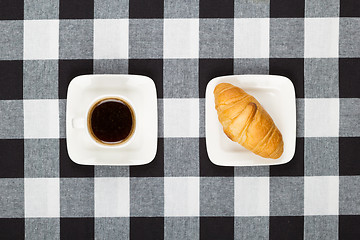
(91, 108)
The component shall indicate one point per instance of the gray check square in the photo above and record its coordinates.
(202, 117)
(160, 103)
(349, 195)
(181, 228)
(321, 227)
(112, 9)
(251, 66)
(146, 38)
(321, 156)
(349, 117)
(216, 196)
(111, 171)
(76, 39)
(41, 9)
(322, 8)
(216, 38)
(11, 198)
(110, 66)
(258, 171)
(40, 79)
(300, 114)
(286, 37)
(76, 197)
(252, 8)
(286, 196)
(41, 158)
(12, 119)
(181, 157)
(42, 228)
(320, 72)
(349, 37)
(181, 8)
(147, 197)
(112, 228)
(11, 40)
(62, 117)
(181, 78)
(251, 228)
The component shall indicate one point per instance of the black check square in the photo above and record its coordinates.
(349, 227)
(146, 9)
(12, 158)
(68, 69)
(79, 9)
(296, 165)
(153, 169)
(76, 228)
(284, 228)
(12, 228)
(349, 8)
(211, 68)
(349, 156)
(207, 168)
(11, 80)
(11, 9)
(70, 169)
(349, 75)
(216, 228)
(153, 68)
(293, 68)
(216, 9)
(147, 228)
(287, 9)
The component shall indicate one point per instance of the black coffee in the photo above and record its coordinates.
(111, 121)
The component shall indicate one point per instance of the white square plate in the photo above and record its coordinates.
(277, 95)
(85, 90)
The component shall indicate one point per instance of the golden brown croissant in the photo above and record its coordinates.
(245, 121)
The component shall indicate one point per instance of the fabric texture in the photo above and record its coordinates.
(181, 45)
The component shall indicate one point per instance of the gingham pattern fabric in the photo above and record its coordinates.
(181, 45)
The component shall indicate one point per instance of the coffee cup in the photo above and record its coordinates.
(110, 121)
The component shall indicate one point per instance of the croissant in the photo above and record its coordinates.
(245, 121)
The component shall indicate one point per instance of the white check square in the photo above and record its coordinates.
(41, 118)
(41, 39)
(112, 197)
(251, 37)
(181, 117)
(321, 195)
(111, 38)
(252, 196)
(321, 38)
(42, 197)
(321, 117)
(182, 196)
(181, 38)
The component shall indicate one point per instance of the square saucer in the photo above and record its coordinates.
(140, 91)
(277, 95)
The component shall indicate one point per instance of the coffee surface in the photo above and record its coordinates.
(111, 121)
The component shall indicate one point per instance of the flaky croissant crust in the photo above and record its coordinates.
(245, 121)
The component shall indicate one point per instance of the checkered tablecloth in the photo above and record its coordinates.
(181, 45)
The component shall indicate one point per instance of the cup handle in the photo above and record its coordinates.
(78, 123)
